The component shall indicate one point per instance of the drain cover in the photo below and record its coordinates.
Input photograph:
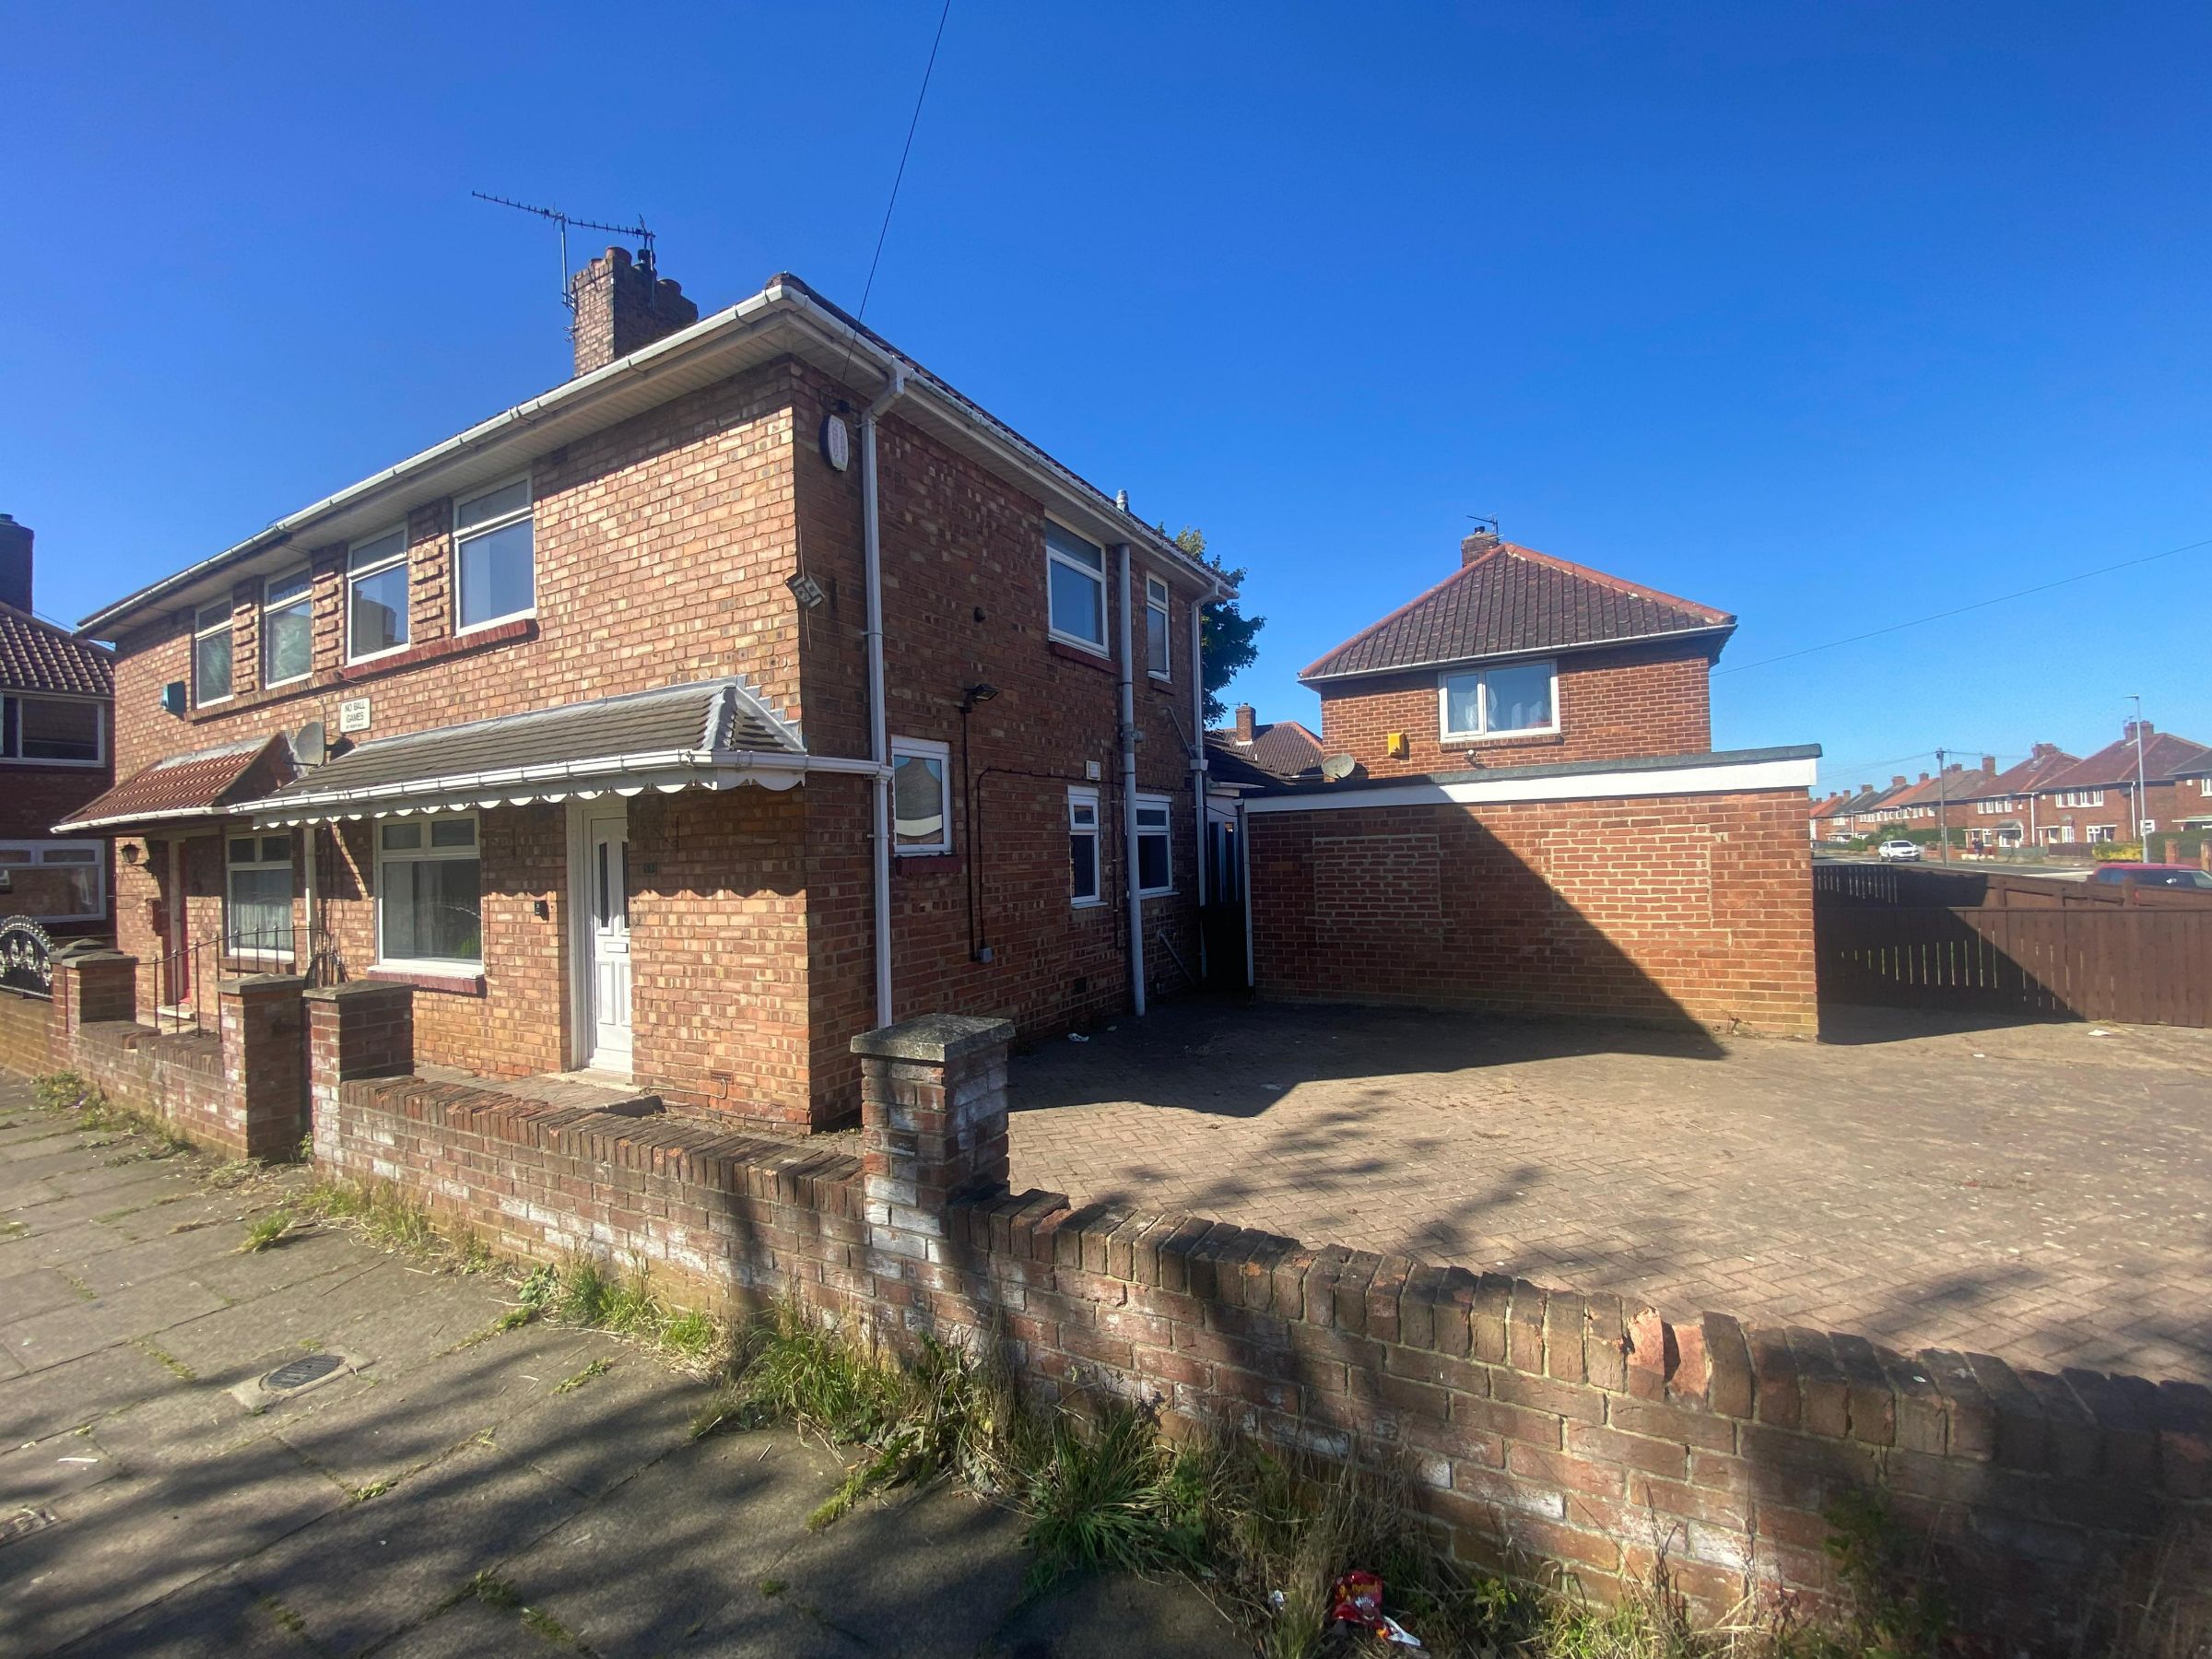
(298, 1373)
(28, 1521)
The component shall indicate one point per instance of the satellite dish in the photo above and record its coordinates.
(1338, 768)
(308, 746)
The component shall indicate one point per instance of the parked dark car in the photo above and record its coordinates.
(2150, 875)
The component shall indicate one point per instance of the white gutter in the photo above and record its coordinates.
(879, 741)
(1128, 737)
(1724, 778)
(161, 815)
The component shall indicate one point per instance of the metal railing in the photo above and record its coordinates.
(186, 976)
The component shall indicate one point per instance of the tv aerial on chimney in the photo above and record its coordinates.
(563, 220)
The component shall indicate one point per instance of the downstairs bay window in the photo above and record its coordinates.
(428, 894)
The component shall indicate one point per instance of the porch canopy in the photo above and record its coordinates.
(192, 790)
(706, 734)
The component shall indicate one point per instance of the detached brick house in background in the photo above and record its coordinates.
(751, 689)
(1537, 821)
(56, 699)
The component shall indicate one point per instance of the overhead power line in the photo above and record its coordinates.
(2043, 587)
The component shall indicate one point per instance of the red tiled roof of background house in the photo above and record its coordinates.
(38, 656)
(1510, 599)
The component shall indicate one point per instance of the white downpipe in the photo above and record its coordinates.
(1199, 832)
(1136, 904)
(879, 740)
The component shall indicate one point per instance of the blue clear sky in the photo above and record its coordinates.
(1834, 316)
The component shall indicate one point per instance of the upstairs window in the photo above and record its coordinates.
(287, 627)
(52, 730)
(1155, 867)
(494, 556)
(1158, 615)
(211, 655)
(1512, 700)
(921, 820)
(428, 894)
(1083, 846)
(1076, 576)
(257, 896)
(376, 596)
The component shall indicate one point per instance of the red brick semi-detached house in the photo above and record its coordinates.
(1537, 822)
(751, 689)
(56, 694)
(2096, 800)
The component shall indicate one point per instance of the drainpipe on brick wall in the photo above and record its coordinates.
(1136, 904)
(879, 742)
(1198, 773)
(1252, 978)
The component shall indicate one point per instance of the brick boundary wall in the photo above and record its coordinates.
(1540, 1424)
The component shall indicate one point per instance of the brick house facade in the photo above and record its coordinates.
(1536, 822)
(690, 516)
(56, 711)
(2095, 799)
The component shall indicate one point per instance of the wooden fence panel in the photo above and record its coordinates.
(2131, 964)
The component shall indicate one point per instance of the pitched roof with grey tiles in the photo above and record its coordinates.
(38, 656)
(694, 720)
(1510, 601)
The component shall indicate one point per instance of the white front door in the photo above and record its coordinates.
(606, 886)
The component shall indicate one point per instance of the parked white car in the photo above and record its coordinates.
(1899, 852)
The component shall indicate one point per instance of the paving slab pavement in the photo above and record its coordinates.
(159, 1515)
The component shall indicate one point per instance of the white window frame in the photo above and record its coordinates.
(304, 600)
(1052, 556)
(201, 629)
(451, 966)
(1159, 603)
(37, 851)
(376, 566)
(11, 732)
(528, 511)
(1142, 804)
(1079, 794)
(925, 749)
(2081, 797)
(1445, 731)
(232, 951)
(2204, 786)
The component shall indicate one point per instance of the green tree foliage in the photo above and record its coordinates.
(1224, 632)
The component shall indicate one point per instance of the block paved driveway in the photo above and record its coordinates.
(2039, 1192)
(144, 1510)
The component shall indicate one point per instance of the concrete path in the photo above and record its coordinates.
(146, 1509)
(2039, 1192)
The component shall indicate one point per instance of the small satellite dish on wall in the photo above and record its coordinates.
(1338, 768)
(308, 746)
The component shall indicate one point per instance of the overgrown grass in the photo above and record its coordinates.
(265, 1230)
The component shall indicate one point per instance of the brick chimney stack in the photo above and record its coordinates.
(622, 305)
(15, 562)
(2128, 730)
(1245, 714)
(1476, 545)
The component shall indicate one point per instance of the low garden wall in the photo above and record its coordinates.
(1541, 1427)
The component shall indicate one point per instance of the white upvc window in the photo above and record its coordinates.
(495, 576)
(1508, 700)
(921, 807)
(2081, 797)
(288, 627)
(1155, 862)
(211, 655)
(1085, 885)
(2204, 786)
(1074, 573)
(52, 731)
(376, 596)
(2103, 832)
(55, 880)
(1159, 656)
(257, 896)
(428, 894)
